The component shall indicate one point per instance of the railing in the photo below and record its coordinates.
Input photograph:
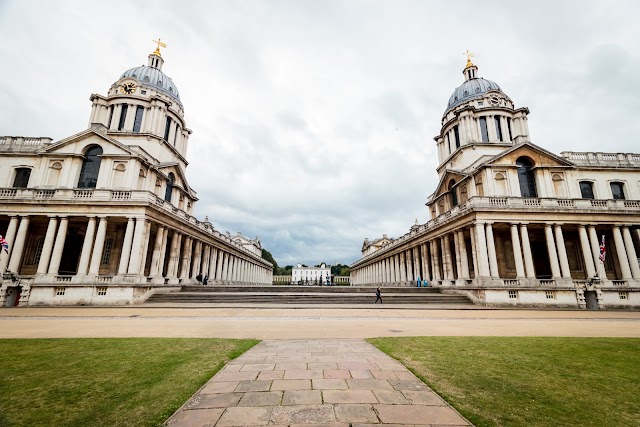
(104, 279)
(82, 194)
(21, 143)
(44, 194)
(547, 282)
(511, 282)
(619, 282)
(8, 192)
(121, 195)
(602, 159)
(63, 278)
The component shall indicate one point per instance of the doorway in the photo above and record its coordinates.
(591, 299)
(541, 260)
(13, 296)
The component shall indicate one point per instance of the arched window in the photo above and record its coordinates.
(170, 181)
(90, 168)
(526, 178)
(22, 178)
(454, 195)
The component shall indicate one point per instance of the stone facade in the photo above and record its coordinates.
(514, 224)
(310, 274)
(105, 216)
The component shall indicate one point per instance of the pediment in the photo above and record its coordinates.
(443, 184)
(76, 144)
(540, 156)
(166, 168)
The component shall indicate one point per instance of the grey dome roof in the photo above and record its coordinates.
(153, 77)
(472, 88)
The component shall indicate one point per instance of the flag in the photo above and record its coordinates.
(4, 244)
(603, 250)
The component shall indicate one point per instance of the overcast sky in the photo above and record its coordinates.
(313, 121)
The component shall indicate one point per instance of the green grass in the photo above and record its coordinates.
(105, 382)
(496, 381)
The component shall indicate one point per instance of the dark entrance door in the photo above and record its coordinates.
(591, 299)
(541, 259)
(13, 296)
(71, 255)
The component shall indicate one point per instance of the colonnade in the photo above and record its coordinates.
(188, 255)
(470, 252)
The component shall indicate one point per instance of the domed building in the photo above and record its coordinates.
(105, 216)
(514, 224)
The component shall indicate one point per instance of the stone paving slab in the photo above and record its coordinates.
(332, 382)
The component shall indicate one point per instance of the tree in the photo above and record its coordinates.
(267, 255)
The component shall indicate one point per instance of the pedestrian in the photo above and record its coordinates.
(199, 277)
(378, 297)
(419, 283)
(205, 279)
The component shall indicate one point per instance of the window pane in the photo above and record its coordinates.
(498, 128)
(526, 178)
(483, 129)
(166, 129)
(90, 168)
(138, 120)
(22, 178)
(123, 116)
(586, 188)
(457, 133)
(617, 191)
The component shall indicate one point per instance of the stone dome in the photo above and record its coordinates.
(155, 79)
(470, 89)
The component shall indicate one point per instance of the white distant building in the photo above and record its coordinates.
(310, 274)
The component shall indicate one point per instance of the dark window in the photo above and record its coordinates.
(123, 116)
(454, 195)
(138, 120)
(448, 144)
(586, 189)
(22, 178)
(457, 135)
(617, 190)
(483, 129)
(498, 127)
(509, 128)
(169, 190)
(110, 117)
(106, 252)
(166, 129)
(526, 178)
(175, 135)
(90, 168)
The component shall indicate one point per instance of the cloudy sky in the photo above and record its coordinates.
(313, 120)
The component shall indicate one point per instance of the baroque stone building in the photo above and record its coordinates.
(514, 224)
(105, 216)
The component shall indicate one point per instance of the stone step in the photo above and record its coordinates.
(309, 289)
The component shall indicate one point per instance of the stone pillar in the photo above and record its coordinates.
(464, 260)
(172, 267)
(197, 257)
(47, 247)
(517, 253)
(213, 263)
(87, 247)
(18, 246)
(157, 249)
(562, 253)
(145, 247)
(551, 248)
(220, 265)
(206, 257)
(623, 261)
(435, 249)
(526, 250)
(126, 247)
(481, 249)
(136, 247)
(10, 236)
(225, 268)
(409, 266)
(186, 258)
(491, 249)
(456, 249)
(448, 259)
(586, 252)
(98, 246)
(474, 252)
(58, 247)
(631, 253)
(396, 268)
(595, 252)
(403, 267)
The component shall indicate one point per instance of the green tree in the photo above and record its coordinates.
(267, 255)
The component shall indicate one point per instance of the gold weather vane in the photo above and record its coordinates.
(469, 56)
(159, 43)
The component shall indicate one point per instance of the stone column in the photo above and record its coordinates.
(474, 252)
(409, 266)
(196, 265)
(96, 256)
(47, 247)
(631, 252)
(456, 249)
(58, 247)
(491, 249)
(186, 257)
(481, 243)
(206, 256)
(225, 268)
(526, 249)
(562, 253)
(517, 253)
(213, 263)
(464, 260)
(87, 247)
(157, 249)
(586, 252)
(145, 247)
(435, 250)
(18, 246)
(126, 247)
(595, 252)
(551, 248)
(623, 261)
(220, 265)
(403, 267)
(396, 268)
(10, 236)
(172, 267)
(136, 248)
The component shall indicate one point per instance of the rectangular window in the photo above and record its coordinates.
(166, 129)
(110, 117)
(102, 290)
(138, 120)
(550, 294)
(457, 135)
(59, 291)
(622, 295)
(483, 129)
(509, 128)
(617, 191)
(22, 178)
(513, 294)
(586, 189)
(123, 116)
(448, 144)
(175, 135)
(498, 127)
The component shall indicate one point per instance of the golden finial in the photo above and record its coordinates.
(469, 55)
(159, 43)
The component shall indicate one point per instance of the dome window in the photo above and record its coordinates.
(159, 82)
(170, 89)
(466, 92)
(134, 76)
(477, 89)
(146, 78)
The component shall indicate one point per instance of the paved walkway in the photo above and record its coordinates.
(341, 383)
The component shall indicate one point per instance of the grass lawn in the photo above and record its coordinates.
(497, 381)
(105, 382)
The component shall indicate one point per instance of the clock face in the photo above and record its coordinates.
(128, 88)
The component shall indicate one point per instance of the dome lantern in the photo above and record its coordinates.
(155, 58)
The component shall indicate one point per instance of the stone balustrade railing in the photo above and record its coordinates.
(602, 159)
(509, 204)
(21, 143)
(71, 195)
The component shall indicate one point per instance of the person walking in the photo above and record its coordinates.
(378, 296)
(199, 277)
(205, 279)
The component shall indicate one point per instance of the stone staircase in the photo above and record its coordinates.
(307, 295)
